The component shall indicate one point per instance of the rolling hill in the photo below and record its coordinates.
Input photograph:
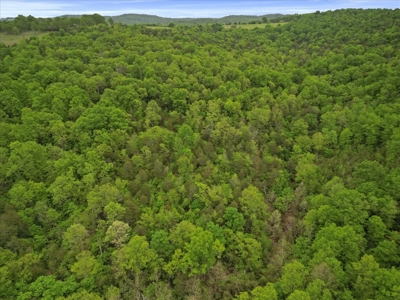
(130, 19)
(152, 19)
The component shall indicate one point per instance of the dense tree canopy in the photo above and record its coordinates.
(202, 162)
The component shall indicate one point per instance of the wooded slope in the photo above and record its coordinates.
(202, 162)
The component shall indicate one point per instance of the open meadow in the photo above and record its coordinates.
(9, 39)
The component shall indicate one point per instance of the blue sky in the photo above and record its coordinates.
(181, 8)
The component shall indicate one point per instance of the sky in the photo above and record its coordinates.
(181, 8)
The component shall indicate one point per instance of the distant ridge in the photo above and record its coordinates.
(130, 19)
(152, 19)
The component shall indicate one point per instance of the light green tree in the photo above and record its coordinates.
(114, 211)
(198, 256)
(76, 237)
(118, 233)
(299, 295)
(294, 276)
(152, 114)
(86, 265)
(135, 257)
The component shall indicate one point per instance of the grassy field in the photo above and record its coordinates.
(252, 26)
(8, 39)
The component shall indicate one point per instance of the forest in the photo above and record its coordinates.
(199, 162)
(21, 24)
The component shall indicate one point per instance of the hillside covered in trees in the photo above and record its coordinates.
(202, 162)
(21, 23)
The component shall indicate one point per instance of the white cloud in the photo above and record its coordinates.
(52, 8)
(180, 8)
(13, 8)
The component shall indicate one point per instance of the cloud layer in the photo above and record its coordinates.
(181, 8)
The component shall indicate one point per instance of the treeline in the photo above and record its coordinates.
(202, 162)
(72, 22)
(22, 24)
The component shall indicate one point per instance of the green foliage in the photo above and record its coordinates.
(85, 266)
(198, 255)
(201, 162)
(252, 203)
(161, 245)
(82, 295)
(23, 24)
(75, 237)
(118, 233)
(260, 293)
(47, 287)
(293, 278)
(342, 243)
(234, 219)
(300, 295)
(27, 161)
(136, 255)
